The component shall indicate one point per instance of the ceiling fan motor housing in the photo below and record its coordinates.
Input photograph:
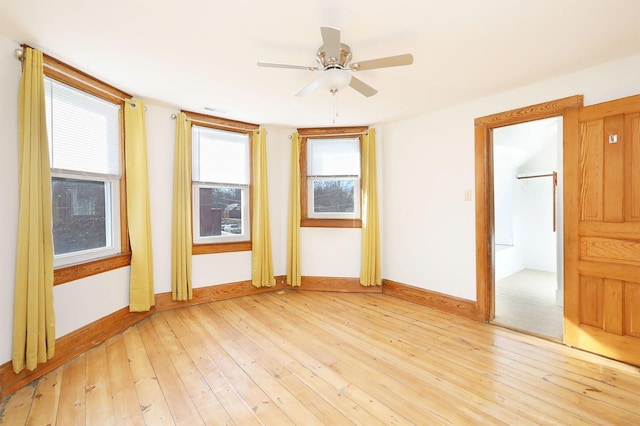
(341, 62)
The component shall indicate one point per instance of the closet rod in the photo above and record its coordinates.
(537, 176)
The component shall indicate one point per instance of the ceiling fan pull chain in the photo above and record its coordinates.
(335, 105)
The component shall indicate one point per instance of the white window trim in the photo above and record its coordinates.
(226, 237)
(112, 221)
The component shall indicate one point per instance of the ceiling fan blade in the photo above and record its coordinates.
(362, 87)
(295, 67)
(391, 61)
(308, 88)
(331, 42)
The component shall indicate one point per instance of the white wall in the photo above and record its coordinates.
(10, 77)
(428, 228)
(527, 205)
(539, 238)
(509, 250)
(161, 131)
(505, 159)
(83, 301)
(428, 162)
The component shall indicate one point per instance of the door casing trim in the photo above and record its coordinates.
(485, 224)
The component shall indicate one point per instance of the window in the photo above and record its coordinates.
(330, 181)
(221, 184)
(84, 152)
(333, 178)
(84, 128)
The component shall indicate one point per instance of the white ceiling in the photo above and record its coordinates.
(195, 53)
(519, 143)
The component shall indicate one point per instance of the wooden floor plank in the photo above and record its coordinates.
(437, 390)
(193, 338)
(180, 404)
(266, 409)
(279, 367)
(203, 398)
(329, 352)
(572, 389)
(326, 358)
(44, 409)
(403, 360)
(126, 407)
(73, 392)
(559, 356)
(510, 368)
(304, 368)
(99, 404)
(361, 402)
(278, 394)
(15, 407)
(300, 403)
(154, 407)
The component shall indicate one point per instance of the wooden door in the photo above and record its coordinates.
(602, 229)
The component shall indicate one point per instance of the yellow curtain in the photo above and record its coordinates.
(261, 260)
(370, 265)
(293, 244)
(33, 318)
(181, 286)
(141, 296)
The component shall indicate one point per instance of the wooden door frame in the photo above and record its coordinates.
(485, 223)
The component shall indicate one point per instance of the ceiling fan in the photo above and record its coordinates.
(334, 58)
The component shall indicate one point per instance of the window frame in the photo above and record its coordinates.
(306, 220)
(218, 123)
(59, 71)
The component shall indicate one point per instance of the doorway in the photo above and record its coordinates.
(527, 207)
(484, 173)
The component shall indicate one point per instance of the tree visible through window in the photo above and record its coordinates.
(330, 177)
(334, 196)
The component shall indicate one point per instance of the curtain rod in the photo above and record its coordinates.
(66, 74)
(320, 135)
(228, 126)
(20, 55)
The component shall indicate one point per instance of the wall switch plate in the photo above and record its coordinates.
(467, 195)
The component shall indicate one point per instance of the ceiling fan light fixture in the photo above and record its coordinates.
(334, 58)
(334, 79)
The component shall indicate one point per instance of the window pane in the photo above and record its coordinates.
(220, 157)
(333, 157)
(221, 211)
(333, 195)
(83, 130)
(79, 215)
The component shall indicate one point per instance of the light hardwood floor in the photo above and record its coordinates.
(326, 358)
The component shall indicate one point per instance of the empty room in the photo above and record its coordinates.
(320, 212)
